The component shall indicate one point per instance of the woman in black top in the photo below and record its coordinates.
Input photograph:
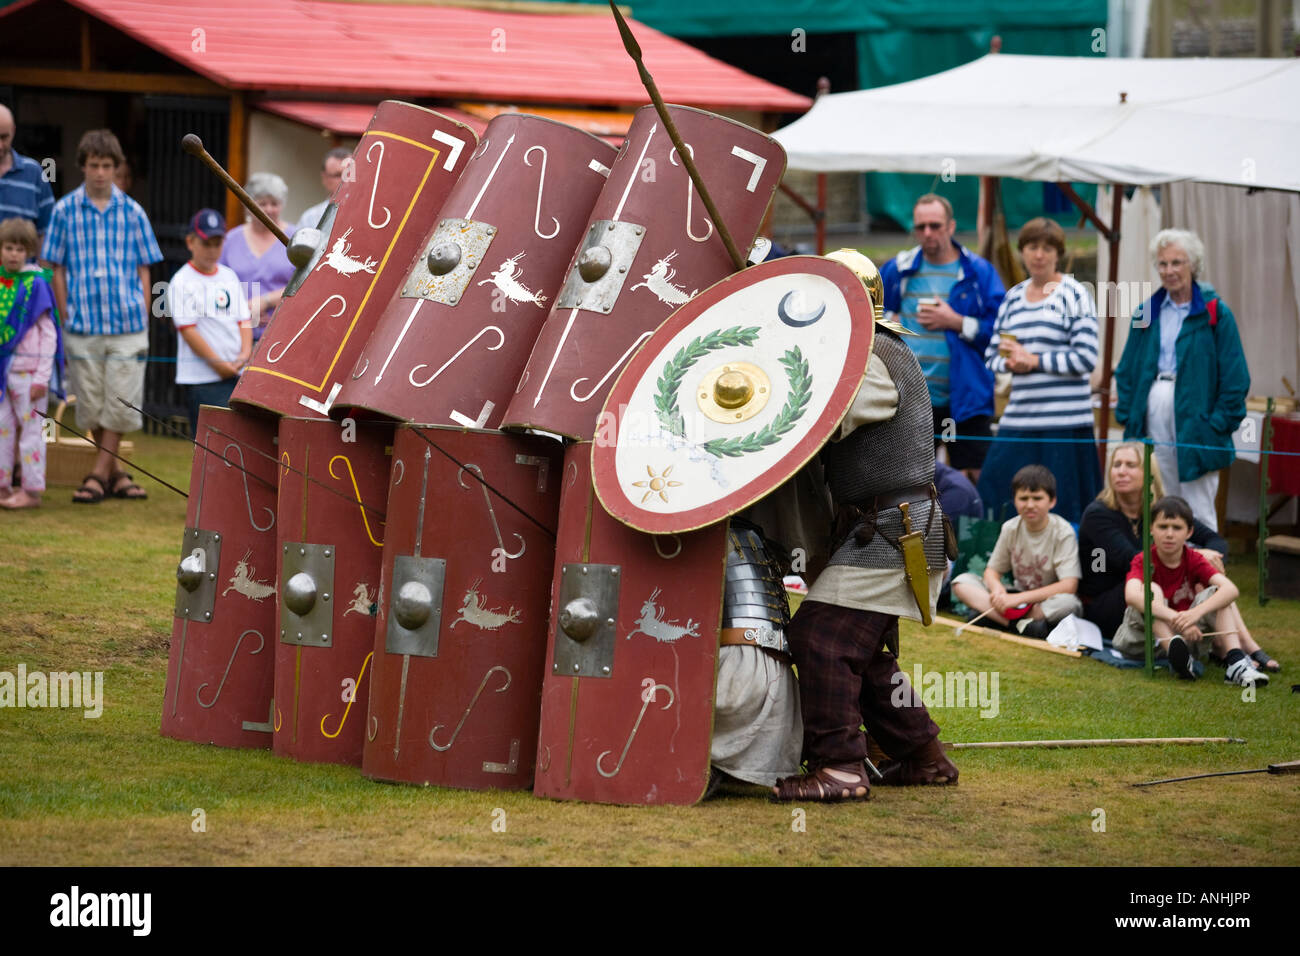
(1110, 535)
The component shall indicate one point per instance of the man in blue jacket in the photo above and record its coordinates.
(949, 297)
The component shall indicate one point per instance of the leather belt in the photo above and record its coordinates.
(895, 498)
(1167, 377)
(736, 636)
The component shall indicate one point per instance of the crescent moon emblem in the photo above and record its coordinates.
(800, 321)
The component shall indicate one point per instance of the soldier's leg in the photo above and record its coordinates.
(895, 717)
(891, 710)
(830, 654)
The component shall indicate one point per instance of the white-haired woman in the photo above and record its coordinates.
(1183, 379)
(256, 255)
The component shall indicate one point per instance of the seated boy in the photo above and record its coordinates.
(1186, 591)
(1042, 553)
(211, 315)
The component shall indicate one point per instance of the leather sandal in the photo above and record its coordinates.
(91, 494)
(130, 490)
(927, 766)
(1265, 661)
(840, 783)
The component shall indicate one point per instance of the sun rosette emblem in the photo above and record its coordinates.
(657, 485)
(732, 394)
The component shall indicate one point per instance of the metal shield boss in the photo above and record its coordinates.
(455, 336)
(649, 247)
(330, 521)
(219, 671)
(631, 657)
(733, 394)
(460, 640)
(405, 165)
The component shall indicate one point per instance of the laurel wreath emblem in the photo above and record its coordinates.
(670, 382)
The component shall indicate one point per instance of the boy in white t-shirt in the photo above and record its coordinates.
(1042, 553)
(210, 311)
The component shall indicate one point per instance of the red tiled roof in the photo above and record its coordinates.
(430, 52)
(349, 119)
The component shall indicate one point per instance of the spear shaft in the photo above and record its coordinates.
(634, 51)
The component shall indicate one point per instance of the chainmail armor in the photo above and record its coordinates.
(885, 457)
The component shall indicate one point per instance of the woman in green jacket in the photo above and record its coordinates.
(1182, 379)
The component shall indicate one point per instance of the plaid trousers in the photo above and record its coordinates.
(846, 680)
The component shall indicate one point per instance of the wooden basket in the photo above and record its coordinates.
(69, 459)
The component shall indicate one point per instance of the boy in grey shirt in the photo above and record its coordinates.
(1040, 551)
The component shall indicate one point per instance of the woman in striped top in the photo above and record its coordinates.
(1046, 337)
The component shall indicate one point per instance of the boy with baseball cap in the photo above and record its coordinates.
(210, 311)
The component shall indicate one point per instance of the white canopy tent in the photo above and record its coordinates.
(1229, 121)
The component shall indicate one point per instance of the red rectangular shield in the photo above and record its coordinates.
(461, 635)
(631, 658)
(405, 165)
(219, 671)
(333, 491)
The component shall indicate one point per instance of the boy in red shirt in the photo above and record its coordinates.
(1186, 590)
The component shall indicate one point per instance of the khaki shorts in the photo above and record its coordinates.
(104, 367)
(1130, 640)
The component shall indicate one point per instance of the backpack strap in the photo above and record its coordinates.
(1212, 306)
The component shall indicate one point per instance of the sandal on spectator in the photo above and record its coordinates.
(841, 783)
(129, 490)
(1265, 661)
(89, 494)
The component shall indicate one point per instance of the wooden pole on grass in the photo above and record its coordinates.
(1100, 742)
(1004, 636)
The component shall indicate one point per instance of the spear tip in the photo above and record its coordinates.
(629, 41)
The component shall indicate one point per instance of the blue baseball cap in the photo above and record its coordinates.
(208, 224)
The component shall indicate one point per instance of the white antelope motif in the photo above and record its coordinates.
(659, 280)
(506, 278)
(651, 623)
(362, 602)
(475, 611)
(342, 263)
(243, 581)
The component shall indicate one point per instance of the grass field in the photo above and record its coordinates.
(91, 588)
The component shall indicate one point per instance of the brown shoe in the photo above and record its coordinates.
(927, 765)
(840, 783)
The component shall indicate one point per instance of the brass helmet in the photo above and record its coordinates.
(865, 270)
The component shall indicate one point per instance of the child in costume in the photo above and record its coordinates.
(31, 348)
